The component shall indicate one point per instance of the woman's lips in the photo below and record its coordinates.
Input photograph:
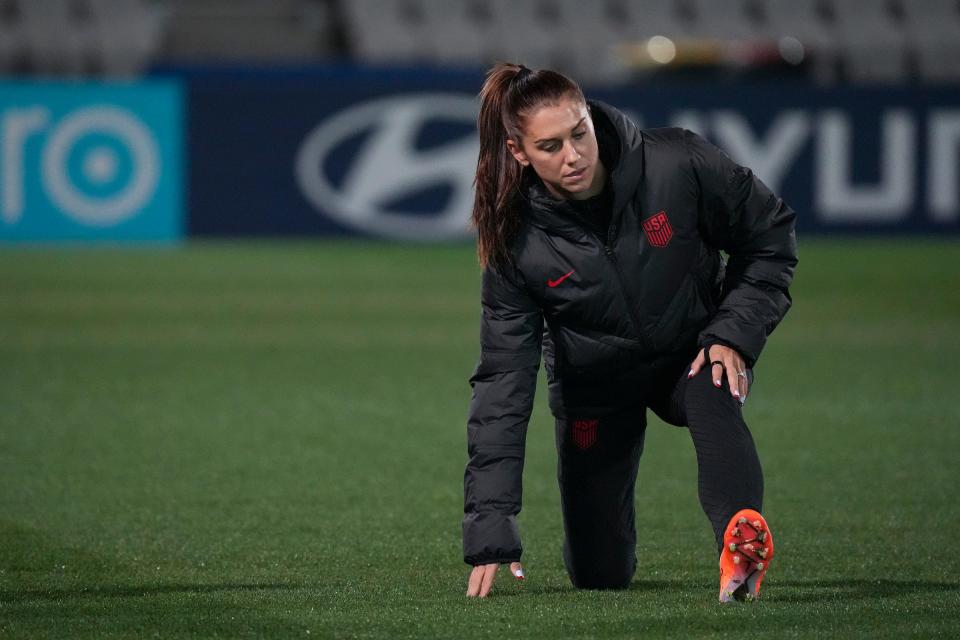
(576, 174)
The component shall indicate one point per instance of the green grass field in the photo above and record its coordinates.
(245, 440)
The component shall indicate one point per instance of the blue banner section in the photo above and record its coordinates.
(392, 154)
(339, 151)
(91, 162)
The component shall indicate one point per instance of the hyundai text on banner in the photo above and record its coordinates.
(91, 162)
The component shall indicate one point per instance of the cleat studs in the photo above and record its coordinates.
(762, 537)
(748, 547)
(742, 520)
(736, 559)
(762, 553)
(756, 525)
(760, 566)
(735, 533)
(733, 546)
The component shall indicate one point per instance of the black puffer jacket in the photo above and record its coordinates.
(609, 312)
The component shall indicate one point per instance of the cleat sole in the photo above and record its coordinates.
(745, 561)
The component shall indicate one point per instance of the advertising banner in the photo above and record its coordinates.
(392, 154)
(91, 161)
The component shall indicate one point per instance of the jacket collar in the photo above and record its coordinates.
(621, 151)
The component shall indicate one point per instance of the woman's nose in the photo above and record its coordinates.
(572, 154)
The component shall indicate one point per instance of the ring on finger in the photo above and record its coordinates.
(741, 374)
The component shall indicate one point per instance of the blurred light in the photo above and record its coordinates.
(791, 50)
(661, 49)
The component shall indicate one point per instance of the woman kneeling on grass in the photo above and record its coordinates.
(600, 246)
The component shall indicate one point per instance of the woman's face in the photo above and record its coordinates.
(559, 142)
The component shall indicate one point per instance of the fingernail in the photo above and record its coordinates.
(736, 393)
(690, 375)
(716, 383)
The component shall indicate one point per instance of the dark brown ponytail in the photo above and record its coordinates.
(511, 92)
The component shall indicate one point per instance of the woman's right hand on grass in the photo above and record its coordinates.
(483, 575)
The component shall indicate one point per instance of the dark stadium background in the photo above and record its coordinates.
(239, 304)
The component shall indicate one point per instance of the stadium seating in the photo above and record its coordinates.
(123, 51)
(735, 19)
(57, 40)
(872, 44)
(932, 32)
(464, 33)
(381, 32)
(248, 30)
(11, 45)
(873, 41)
(809, 23)
(69, 37)
(858, 40)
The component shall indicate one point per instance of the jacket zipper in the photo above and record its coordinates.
(621, 279)
(627, 300)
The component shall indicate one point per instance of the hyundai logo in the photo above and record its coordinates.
(387, 165)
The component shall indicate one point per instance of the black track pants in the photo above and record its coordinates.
(597, 471)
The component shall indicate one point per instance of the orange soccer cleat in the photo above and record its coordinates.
(746, 555)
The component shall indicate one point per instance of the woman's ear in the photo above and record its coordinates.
(518, 153)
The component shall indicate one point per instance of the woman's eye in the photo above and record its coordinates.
(577, 136)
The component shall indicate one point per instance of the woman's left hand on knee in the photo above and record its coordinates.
(724, 360)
